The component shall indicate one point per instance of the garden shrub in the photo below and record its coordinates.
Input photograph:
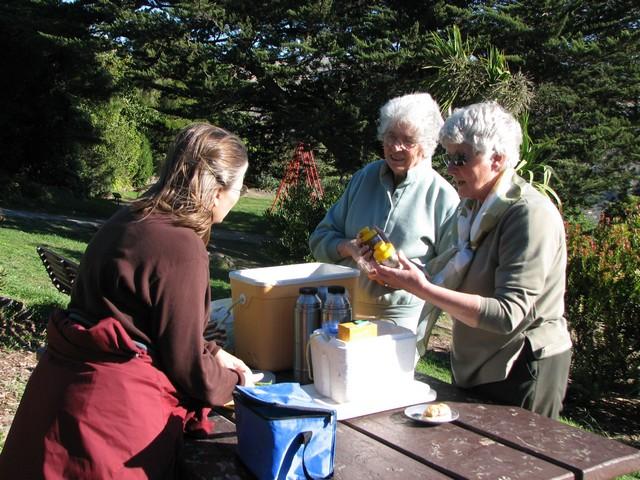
(603, 301)
(145, 165)
(120, 157)
(294, 218)
(264, 181)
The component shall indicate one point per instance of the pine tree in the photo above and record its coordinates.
(49, 64)
(584, 59)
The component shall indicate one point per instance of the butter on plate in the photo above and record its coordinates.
(356, 330)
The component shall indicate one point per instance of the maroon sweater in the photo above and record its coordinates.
(153, 277)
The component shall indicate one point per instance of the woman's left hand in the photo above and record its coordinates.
(226, 360)
(247, 377)
(410, 277)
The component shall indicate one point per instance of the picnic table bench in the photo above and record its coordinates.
(486, 442)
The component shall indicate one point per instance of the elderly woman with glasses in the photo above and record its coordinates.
(503, 278)
(402, 195)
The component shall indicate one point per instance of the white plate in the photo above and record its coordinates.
(414, 412)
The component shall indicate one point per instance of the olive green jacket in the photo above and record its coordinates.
(519, 270)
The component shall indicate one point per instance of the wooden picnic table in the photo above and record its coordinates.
(487, 441)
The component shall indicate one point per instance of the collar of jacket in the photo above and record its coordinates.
(418, 173)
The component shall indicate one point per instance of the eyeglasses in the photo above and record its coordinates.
(404, 143)
(454, 159)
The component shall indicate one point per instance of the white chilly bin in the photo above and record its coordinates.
(348, 371)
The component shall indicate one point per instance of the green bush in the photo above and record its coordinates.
(295, 216)
(603, 301)
(264, 181)
(120, 158)
(145, 165)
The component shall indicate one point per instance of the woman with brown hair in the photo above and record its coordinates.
(126, 368)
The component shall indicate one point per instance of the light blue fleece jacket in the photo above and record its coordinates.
(412, 215)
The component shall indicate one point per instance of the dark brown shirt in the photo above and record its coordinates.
(153, 277)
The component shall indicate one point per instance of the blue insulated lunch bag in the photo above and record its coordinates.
(283, 434)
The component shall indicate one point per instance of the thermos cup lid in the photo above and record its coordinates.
(308, 290)
(336, 289)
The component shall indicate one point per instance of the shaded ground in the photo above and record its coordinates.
(15, 368)
(615, 416)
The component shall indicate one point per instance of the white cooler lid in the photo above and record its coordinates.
(294, 274)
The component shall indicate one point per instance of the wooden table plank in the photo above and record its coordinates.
(361, 457)
(455, 451)
(487, 441)
(589, 455)
(357, 457)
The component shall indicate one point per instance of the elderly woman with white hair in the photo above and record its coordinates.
(503, 278)
(402, 195)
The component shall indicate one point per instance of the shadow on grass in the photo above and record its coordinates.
(228, 255)
(246, 222)
(64, 229)
(435, 364)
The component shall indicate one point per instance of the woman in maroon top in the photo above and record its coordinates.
(127, 369)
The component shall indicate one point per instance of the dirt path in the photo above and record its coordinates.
(50, 217)
(218, 233)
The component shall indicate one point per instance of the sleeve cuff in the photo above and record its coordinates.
(212, 347)
(334, 248)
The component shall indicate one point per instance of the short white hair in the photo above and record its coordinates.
(416, 111)
(487, 128)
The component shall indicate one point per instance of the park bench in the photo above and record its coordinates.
(61, 270)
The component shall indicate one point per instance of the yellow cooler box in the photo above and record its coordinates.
(265, 300)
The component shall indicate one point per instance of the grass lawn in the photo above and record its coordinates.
(246, 216)
(436, 366)
(23, 277)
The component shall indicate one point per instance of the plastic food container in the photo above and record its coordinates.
(264, 313)
(366, 367)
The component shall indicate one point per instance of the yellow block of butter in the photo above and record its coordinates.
(355, 330)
